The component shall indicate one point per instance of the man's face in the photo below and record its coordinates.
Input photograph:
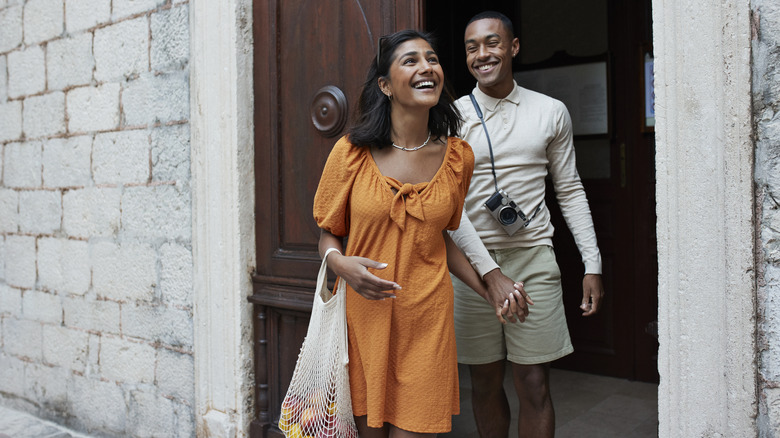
(489, 53)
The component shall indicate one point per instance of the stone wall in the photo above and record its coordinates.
(766, 110)
(96, 215)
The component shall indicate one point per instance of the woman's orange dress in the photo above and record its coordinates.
(402, 358)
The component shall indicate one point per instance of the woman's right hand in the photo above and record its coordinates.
(354, 270)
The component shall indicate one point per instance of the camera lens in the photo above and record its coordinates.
(507, 216)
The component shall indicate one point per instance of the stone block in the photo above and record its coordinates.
(93, 315)
(176, 275)
(10, 301)
(122, 50)
(163, 212)
(170, 39)
(63, 265)
(22, 165)
(12, 375)
(86, 14)
(162, 98)
(125, 273)
(65, 347)
(20, 269)
(9, 212)
(93, 108)
(176, 375)
(2, 265)
(40, 211)
(26, 72)
(44, 115)
(23, 338)
(43, 20)
(69, 61)
(158, 324)
(47, 386)
(99, 406)
(151, 414)
(67, 161)
(121, 157)
(10, 120)
(126, 8)
(171, 153)
(42, 307)
(122, 360)
(10, 28)
(91, 212)
(185, 420)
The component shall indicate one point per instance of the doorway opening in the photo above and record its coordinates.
(615, 161)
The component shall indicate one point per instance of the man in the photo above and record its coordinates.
(531, 135)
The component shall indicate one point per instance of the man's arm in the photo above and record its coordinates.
(502, 292)
(576, 211)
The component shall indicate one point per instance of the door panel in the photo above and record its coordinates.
(311, 58)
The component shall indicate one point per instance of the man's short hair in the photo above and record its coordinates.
(497, 16)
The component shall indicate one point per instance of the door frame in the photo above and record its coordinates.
(221, 36)
(223, 231)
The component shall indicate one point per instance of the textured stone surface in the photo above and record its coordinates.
(44, 115)
(170, 39)
(69, 61)
(121, 157)
(93, 109)
(10, 120)
(122, 50)
(26, 71)
(91, 212)
(40, 211)
(22, 165)
(10, 28)
(42, 20)
(67, 161)
(95, 216)
(157, 98)
(85, 14)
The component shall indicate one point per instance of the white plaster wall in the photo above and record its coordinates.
(96, 261)
(706, 228)
(766, 108)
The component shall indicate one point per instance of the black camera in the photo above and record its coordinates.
(506, 212)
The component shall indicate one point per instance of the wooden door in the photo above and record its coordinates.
(310, 60)
(621, 196)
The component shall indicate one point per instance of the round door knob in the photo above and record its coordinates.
(329, 110)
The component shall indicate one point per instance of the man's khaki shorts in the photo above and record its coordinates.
(543, 337)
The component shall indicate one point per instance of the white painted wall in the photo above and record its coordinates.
(96, 264)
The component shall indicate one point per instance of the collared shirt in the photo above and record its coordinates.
(532, 137)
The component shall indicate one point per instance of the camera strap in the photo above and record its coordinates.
(522, 215)
(490, 145)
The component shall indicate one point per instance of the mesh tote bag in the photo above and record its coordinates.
(318, 402)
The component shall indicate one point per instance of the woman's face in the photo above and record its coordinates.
(415, 78)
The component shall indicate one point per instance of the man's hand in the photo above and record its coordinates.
(592, 294)
(507, 297)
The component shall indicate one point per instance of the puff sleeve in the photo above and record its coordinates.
(461, 166)
(331, 202)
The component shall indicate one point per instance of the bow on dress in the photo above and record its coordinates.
(406, 201)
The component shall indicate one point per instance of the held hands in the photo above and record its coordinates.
(592, 294)
(508, 298)
(354, 271)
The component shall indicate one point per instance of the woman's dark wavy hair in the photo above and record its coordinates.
(372, 125)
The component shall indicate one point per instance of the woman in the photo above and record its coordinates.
(392, 186)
